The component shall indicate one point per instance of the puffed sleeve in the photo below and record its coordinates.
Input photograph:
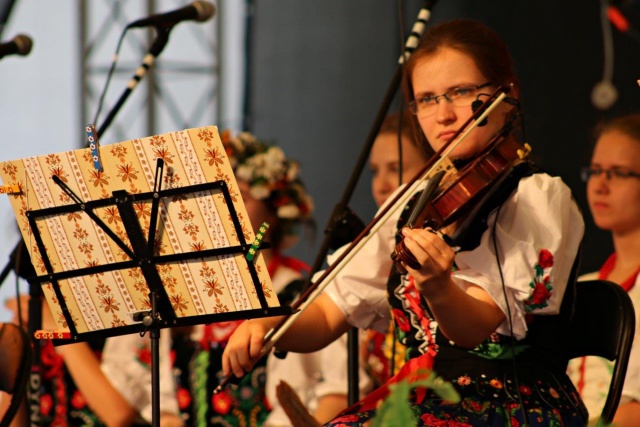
(125, 361)
(360, 288)
(538, 235)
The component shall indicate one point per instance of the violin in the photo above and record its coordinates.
(443, 208)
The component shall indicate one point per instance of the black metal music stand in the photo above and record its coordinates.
(142, 255)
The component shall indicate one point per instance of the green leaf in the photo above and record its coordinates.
(396, 409)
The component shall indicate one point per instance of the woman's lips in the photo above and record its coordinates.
(446, 135)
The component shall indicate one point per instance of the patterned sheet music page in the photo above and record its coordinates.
(186, 223)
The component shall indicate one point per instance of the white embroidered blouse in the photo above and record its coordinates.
(539, 231)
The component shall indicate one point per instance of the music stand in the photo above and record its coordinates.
(138, 227)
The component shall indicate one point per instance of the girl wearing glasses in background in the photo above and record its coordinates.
(473, 316)
(613, 193)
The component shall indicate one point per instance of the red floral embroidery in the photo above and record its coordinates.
(540, 294)
(46, 403)
(545, 259)
(496, 383)
(350, 418)
(475, 407)
(78, 401)
(464, 380)
(184, 398)
(525, 390)
(144, 356)
(433, 421)
(221, 403)
(401, 320)
(541, 285)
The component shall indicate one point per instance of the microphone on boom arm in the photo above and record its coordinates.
(19, 45)
(199, 11)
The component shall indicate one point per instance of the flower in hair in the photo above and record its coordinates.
(271, 176)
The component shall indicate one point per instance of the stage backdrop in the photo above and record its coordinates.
(319, 72)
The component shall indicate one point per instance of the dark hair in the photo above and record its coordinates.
(479, 42)
(628, 124)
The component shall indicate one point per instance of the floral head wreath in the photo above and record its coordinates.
(271, 177)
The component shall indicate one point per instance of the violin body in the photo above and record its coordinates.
(460, 195)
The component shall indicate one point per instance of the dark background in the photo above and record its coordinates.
(319, 71)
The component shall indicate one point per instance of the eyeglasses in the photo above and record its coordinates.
(459, 97)
(611, 174)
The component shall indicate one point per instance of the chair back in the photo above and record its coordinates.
(603, 324)
(15, 366)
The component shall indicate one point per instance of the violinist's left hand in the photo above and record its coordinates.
(465, 316)
(435, 257)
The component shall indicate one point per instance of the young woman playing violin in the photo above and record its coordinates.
(473, 316)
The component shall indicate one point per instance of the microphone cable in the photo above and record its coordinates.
(110, 73)
(516, 380)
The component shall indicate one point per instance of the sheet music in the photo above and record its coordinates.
(191, 223)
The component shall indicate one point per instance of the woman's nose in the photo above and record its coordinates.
(600, 183)
(445, 112)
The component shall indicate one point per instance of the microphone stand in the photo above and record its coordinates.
(158, 45)
(342, 215)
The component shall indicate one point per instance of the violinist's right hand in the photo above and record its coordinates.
(244, 347)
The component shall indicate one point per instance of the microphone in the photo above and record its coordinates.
(199, 11)
(20, 45)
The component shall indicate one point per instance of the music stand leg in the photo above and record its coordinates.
(150, 321)
(155, 376)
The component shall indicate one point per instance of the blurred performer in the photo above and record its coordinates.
(102, 383)
(391, 165)
(613, 193)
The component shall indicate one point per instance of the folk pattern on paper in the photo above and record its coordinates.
(186, 223)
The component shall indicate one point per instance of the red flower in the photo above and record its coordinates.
(401, 320)
(184, 398)
(432, 420)
(514, 422)
(46, 403)
(545, 259)
(144, 356)
(464, 380)
(525, 390)
(221, 403)
(349, 418)
(540, 294)
(78, 401)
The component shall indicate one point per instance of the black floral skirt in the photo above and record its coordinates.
(492, 393)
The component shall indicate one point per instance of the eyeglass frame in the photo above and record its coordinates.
(413, 105)
(587, 172)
